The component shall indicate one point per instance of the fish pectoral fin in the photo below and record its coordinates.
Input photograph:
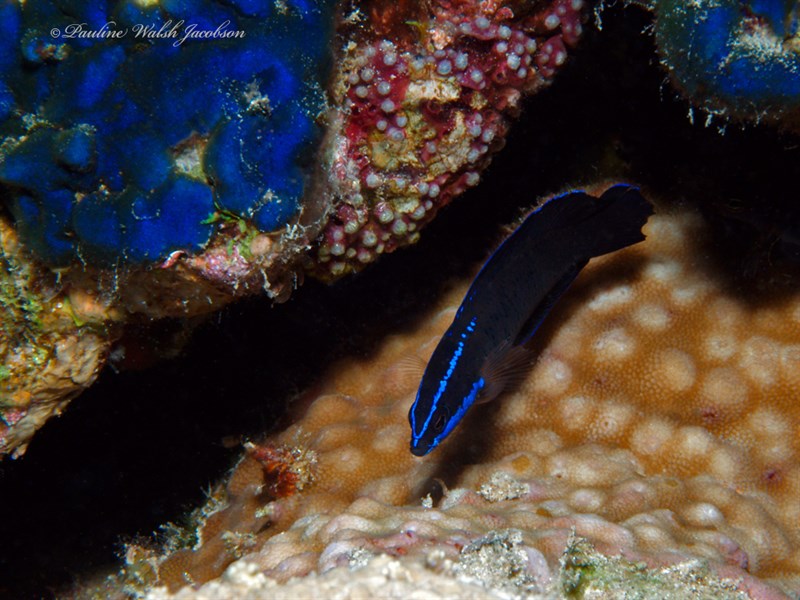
(543, 308)
(411, 366)
(506, 367)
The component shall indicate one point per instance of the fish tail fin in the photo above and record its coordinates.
(621, 213)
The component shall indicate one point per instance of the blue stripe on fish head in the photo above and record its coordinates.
(432, 421)
(456, 417)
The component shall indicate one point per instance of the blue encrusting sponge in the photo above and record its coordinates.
(117, 147)
(737, 58)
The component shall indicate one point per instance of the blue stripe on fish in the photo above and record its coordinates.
(510, 298)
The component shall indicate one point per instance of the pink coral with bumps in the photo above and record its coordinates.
(419, 116)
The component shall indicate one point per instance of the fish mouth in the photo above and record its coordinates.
(419, 449)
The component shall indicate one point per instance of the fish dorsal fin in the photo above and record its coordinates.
(538, 315)
(505, 367)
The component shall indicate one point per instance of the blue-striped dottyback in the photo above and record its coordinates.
(511, 296)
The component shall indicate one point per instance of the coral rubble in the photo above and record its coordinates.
(659, 424)
(584, 574)
(380, 577)
(422, 108)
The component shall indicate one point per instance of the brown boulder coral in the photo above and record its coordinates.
(660, 423)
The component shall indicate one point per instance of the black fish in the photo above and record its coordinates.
(510, 298)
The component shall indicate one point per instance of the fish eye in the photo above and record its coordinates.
(438, 425)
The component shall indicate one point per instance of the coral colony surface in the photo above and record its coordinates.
(659, 425)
